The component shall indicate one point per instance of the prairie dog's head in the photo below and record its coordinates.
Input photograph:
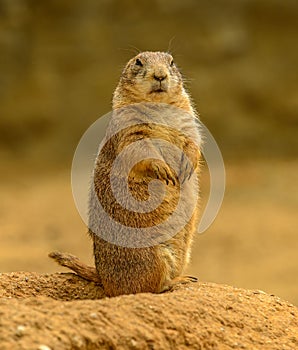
(150, 77)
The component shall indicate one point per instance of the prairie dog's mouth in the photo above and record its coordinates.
(159, 87)
(159, 90)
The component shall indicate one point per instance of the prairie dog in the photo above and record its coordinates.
(149, 103)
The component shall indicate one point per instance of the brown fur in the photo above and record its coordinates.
(150, 77)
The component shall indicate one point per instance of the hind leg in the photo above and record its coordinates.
(70, 261)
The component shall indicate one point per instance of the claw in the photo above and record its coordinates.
(192, 278)
(190, 174)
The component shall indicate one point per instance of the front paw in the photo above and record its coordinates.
(149, 169)
(188, 163)
(186, 169)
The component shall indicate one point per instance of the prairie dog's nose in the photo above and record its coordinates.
(160, 77)
(160, 74)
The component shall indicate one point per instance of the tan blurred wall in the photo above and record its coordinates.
(60, 61)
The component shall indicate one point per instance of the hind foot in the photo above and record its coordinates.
(178, 281)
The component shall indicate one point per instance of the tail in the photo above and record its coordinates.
(70, 261)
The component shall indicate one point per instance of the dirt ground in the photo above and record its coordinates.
(198, 316)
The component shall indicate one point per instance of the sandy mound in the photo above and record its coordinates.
(59, 311)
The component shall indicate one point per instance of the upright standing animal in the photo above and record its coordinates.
(150, 89)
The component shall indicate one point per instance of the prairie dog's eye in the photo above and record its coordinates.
(139, 62)
(172, 63)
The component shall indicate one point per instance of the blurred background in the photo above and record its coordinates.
(60, 61)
